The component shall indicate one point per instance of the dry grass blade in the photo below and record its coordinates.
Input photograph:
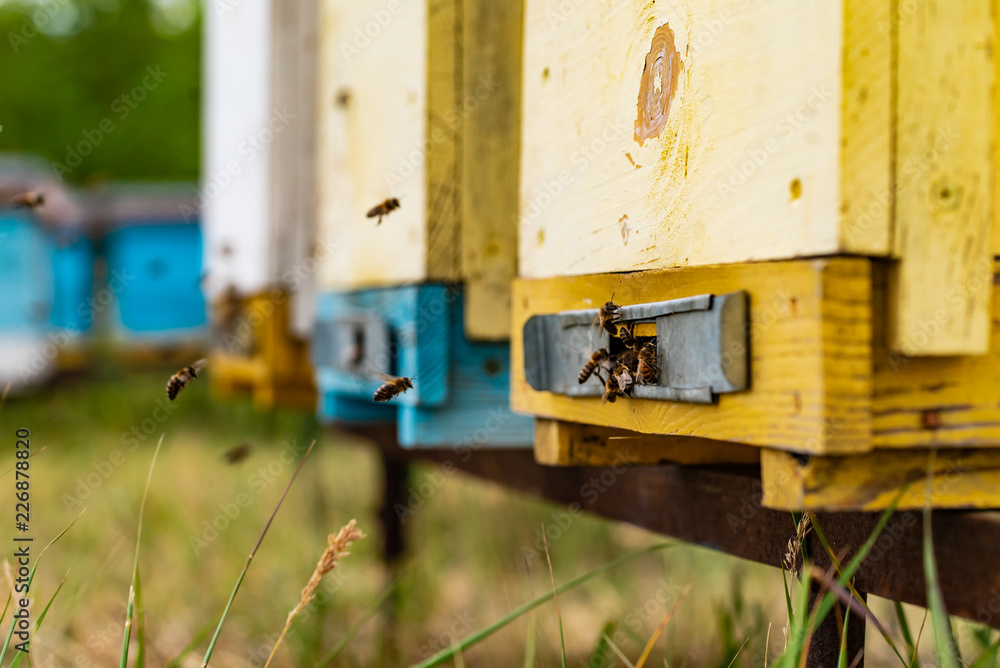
(659, 629)
(916, 645)
(860, 600)
(737, 653)
(135, 562)
(36, 452)
(617, 651)
(246, 566)
(794, 551)
(846, 598)
(555, 594)
(767, 644)
(336, 550)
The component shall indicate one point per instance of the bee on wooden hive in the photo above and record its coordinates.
(393, 387)
(623, 376)
(628, 358)
(180, 379)
(627, 334)
(609, 317)
(648, 367)
(29, 199)
(595, 361)
(611, 390)
(383, 209)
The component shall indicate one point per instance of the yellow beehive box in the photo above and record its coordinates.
(418, 103)
(660, 135)
(841, 421)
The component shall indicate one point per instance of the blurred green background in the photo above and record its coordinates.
(74, 68)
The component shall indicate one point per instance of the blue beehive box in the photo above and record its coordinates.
(154, 266)
(46, 275)
(460, 393)
(73, 283)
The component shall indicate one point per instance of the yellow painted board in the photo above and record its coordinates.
(658, 135)
(254, 351)
(388, 74)
(945, 185)
(944, 402)
(568, 444)
(996, 135)
(810, 354)
(490, 123)
(871, 481)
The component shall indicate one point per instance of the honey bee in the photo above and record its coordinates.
(627, 335)
(237, 453)
(393, 387)
(29, 199)
(627, 358)
(648, 368)
(623, 377)
(611, 390)
(609, 317)
(591, 366)
(180, 379)
(383, 209)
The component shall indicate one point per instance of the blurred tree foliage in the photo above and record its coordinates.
(102, 89)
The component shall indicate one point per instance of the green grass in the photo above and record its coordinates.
(473, 555)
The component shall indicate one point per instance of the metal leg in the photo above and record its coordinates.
(824, 648)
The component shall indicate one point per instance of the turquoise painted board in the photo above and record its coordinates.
(478, 414)
(396, 331)
(158, 268)
(73, 277)
(25, 275)
(460, 394)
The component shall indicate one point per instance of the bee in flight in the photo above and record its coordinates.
(383, 209)
(394, 386)
(648, 368)
(29, 199)
(180, 379)
(237, 453)
(609, 317)
(592, 365)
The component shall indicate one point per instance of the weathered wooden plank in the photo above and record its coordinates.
(659, 135)
(810, 354)
(560, 443)
(939, 402)
(292, 160)
(443, 144)
(491, 134)
(235, 193)
(721, 509)
(964, 478)
(375, 88)
(944, 184)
